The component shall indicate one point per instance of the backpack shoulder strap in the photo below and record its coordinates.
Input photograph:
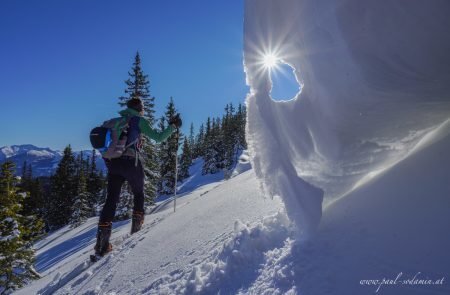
(122, 125)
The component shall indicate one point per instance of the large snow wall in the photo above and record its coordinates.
(375, 78)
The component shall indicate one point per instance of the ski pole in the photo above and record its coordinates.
(176, 173)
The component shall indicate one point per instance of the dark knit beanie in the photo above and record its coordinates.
(135, 104)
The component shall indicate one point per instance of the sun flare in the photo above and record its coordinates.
(270, 60)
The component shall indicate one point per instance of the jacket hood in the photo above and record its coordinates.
(129, 112)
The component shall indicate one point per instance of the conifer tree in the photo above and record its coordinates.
(138, 87)
(241, 118)
(27, 175)
(94, 184)
(34, 203)
(222, 141)
(63, 190)
(125, 205)
(229, 136)
(29, 172)
(17, 233)
(25, 185)
(218, 145)
(200, 142)
(23, 178)
(210, 144)
(192, 140)
(185, 160)
(168, 153)
(162, 151)
(151, 170)
(80, 208)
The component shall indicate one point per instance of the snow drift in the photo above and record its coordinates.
(396, 222)
(375, 80)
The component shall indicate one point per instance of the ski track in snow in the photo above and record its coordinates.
(206, 262)
(121, 246)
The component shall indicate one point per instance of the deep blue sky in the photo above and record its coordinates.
(63, 63)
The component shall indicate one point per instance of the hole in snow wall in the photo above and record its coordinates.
(284, 82)
(366, 68)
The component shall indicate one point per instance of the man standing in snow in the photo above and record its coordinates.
(129, 168)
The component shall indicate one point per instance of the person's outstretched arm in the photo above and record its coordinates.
(151, 133)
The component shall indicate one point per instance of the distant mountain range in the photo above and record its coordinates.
(43, 160)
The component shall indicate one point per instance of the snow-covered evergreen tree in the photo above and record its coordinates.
(222, 141)
(81, 209)
(34, 202)
(210, 153)
(229, 136)
(191, 140)
(168, 153)
(17, 233)
(151, 170)
(185, 160)
(94, 184)
(125, 206)
(241, 119)
(199, 142)
(218, 145)
(63, 191)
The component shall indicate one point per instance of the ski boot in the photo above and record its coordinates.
(103, 234)
(137, 221)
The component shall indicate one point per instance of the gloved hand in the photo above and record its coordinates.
(176, 121)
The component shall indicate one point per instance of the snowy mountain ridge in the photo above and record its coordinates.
(43, 160)
(14, 150)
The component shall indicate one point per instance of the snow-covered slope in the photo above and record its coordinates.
(175, 252)
(226, 237)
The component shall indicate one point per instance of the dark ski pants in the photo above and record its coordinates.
(120, 170)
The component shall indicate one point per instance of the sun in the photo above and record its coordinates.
(270, 60)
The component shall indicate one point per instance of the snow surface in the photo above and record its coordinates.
(226, 237)
(375, 79)
(175, 252)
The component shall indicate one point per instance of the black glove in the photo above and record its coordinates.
(176, 121)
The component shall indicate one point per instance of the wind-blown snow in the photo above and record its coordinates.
(375, 79)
